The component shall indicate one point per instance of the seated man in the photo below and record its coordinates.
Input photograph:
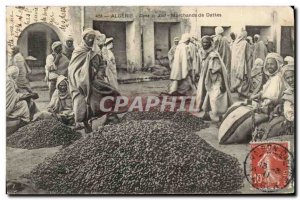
(272, 90)
(61, 101)
(60, 106)
(288, 94)
(17, 107)
(18, 60)
(282, 122)
(288, 60)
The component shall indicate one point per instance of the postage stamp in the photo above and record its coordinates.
(270, 166)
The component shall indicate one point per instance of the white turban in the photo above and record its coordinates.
(289, 60)
(219, 30)
(69, 37)
(108, 40)
(60, 78)
(12, 71)
(250, 39)
(257, 36)
(278, 59)
(100, 37)
(176, 39)
(55, 44)
(88, 30)
(242, 36)
(258, 61)
(185, 37)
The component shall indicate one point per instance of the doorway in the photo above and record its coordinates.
(287, 41)
(263, 31)
(116, 30)
(36, 40)
(210, 30)
(37, 45)
(164, 34)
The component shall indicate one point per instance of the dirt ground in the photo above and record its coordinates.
(22, 161)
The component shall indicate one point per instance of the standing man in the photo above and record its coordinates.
(100, 39)
(111, 69)
(19, 61)
(250, 42)
(241, 66)
(195, 60)
(222, 46)
(68, 47)
(171, 52)
(56, 64)
(232, 37)
(181, 72)
(79, 72)
(213, 94)
(260, 50)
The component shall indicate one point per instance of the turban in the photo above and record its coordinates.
(209, 38)
(185, 37)
(88, 30)
(243, 34)
(195, 36)
(15, 49)
(176, 39)
(55, 44)
(100, 37)
(278, 59)
(289, 60)
(258, 61)
(257, 36)
(108, 40)
(288, 68)
(60, 78)
(232, 34)
(250, 39)
(69, 38)
(285, 69)
(12, 71)
(219, 30)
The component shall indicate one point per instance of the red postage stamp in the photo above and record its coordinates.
(271, 168)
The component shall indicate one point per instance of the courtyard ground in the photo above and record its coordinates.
(21, 161)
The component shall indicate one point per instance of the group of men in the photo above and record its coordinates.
(70, 72)
(212, 69)
(219, 72)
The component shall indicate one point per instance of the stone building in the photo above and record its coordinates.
(140, 32)
(274, 24)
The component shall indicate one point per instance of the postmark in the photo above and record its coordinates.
(269, 166)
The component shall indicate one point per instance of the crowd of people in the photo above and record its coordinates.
(220, 72)
(71, 74)
(217, 71)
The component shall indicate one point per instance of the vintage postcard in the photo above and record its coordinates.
(153, 100)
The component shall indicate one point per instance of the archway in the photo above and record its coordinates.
(35, 40)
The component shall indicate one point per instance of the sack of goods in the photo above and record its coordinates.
(238, 124)
(99, 90)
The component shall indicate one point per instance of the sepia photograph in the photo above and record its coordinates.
(150, 100)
